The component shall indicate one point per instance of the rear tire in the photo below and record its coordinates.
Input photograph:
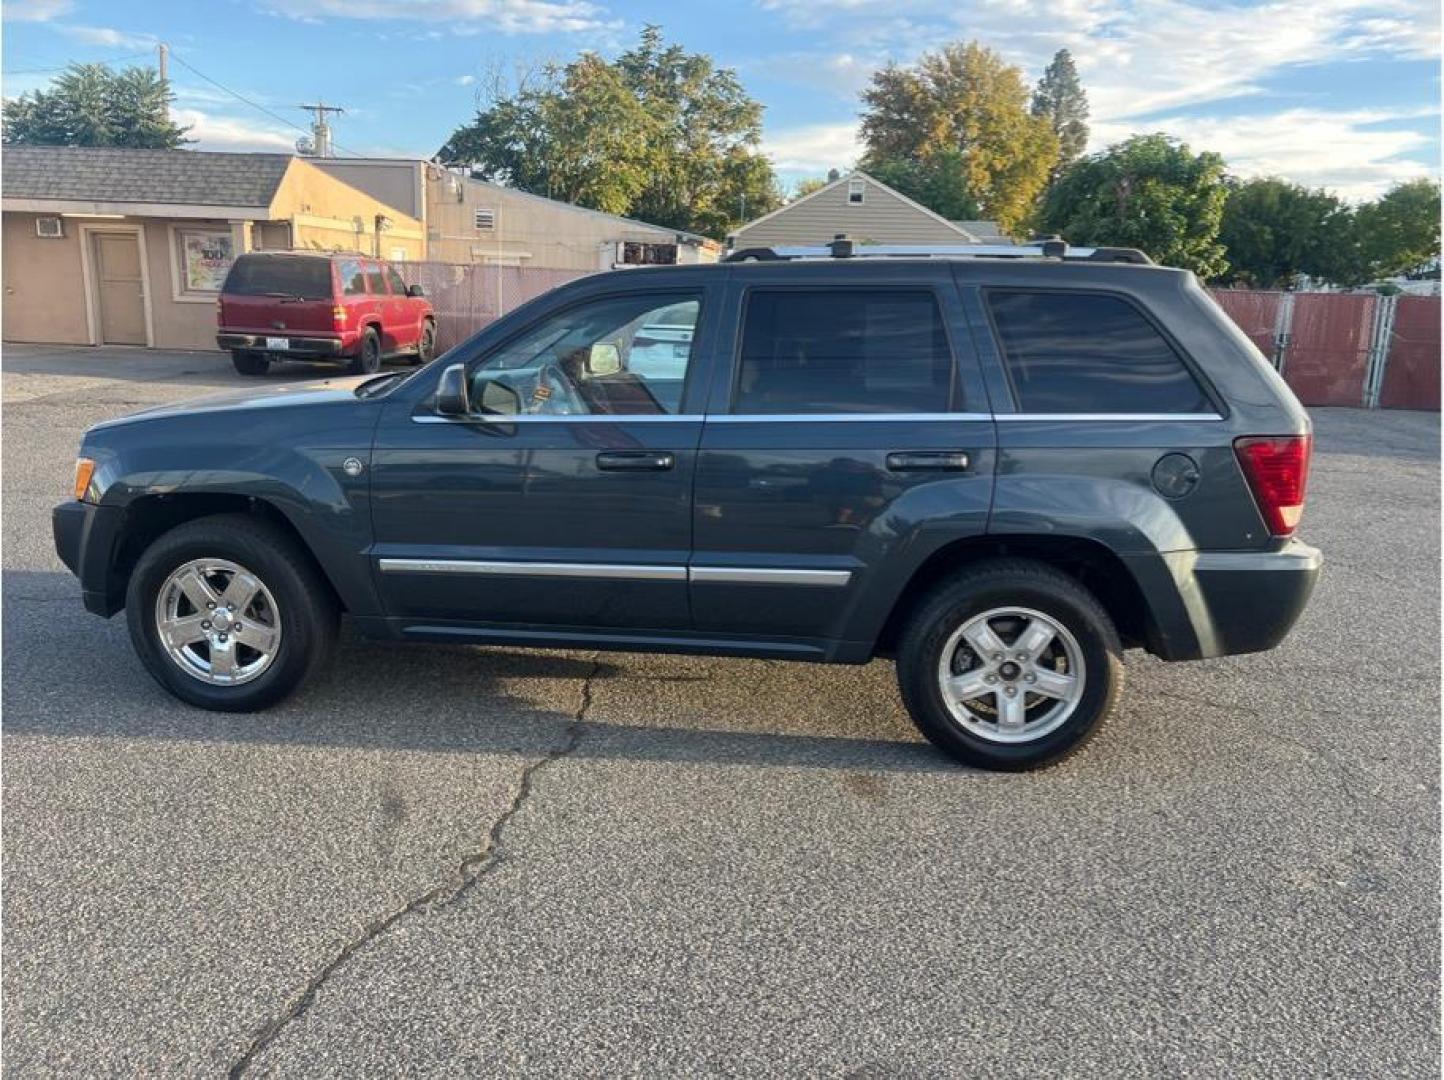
(250, 363)
(426, 347)
(368, 360)
(957, 700)
(295, 603)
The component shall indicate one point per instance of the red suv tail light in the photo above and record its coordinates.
(339, 317)
(1277, 470)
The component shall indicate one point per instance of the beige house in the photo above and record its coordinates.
(129, 247)
(857, 206)
(473, 221)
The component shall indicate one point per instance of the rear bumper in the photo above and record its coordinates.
(1220, 603)
(85, 537)
(308, 347)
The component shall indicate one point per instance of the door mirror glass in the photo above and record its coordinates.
(496, 398)
(605, 358)
(451, 396)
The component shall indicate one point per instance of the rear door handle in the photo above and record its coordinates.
(932, 460)
(635, 460)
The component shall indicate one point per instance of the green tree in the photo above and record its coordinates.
(1399, 233)
(91, 105)
(1150, 192)
(961, 110)
(1060, 99)
(807, 186)
(1274, 230)
(939, 182)
(659, 134)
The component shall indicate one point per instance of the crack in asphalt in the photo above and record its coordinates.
(471, 870)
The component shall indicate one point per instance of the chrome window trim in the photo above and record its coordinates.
(737, 575)
(568, 418)
(520, 568)
(1109, 417)
(841, 418)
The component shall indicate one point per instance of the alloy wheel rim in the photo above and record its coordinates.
(218, 622)
(1011, 675)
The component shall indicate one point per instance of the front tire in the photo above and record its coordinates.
(249, 363)
(229, 613)
(1010, 665)
(368, 360)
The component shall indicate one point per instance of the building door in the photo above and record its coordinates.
(121, 289)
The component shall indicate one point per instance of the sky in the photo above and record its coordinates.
(1340, 94)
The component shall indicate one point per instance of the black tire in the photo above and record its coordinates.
(426, 347)
(307, 609)
(368, 360)
(250, 363)
(1009, 583)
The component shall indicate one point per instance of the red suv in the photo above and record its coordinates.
(280, 305)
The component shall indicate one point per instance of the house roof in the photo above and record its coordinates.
(983, 230)
(858, 174)
(117, 175)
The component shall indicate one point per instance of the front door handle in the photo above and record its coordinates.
(636, 460)
(931, 460)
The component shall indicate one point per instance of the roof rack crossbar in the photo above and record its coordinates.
(842, 247)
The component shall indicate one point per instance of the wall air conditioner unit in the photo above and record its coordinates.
(52, 228)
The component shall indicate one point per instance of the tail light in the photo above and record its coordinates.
(339, 315)
(1277, 470)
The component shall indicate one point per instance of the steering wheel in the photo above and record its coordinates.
(559, 394)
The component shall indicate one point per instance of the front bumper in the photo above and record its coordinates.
(306, 347)
(85, 539)
(1219, 603)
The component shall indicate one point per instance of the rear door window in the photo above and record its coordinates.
(843, 351)
(398, 286)
(353, 279)
(1089, 353)
(376, 279)
(280, 276)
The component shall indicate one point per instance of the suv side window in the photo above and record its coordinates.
(376, 279)
(1089, 353)
(398, 286)
(843, 351)
(353, 281)
(615, 356)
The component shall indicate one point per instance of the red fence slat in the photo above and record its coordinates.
(1328, 352)
(1257, 315)
(1411, 381)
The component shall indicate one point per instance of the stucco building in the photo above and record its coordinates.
(129, 247)
(473, 221)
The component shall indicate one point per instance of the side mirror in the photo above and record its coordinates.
(451, 399)
(415, 290)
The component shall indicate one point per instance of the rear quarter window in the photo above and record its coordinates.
(278, 275)
(1089, 353)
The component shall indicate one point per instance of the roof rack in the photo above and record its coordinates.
(843, 247)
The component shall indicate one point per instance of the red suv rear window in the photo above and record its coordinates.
(280, 275)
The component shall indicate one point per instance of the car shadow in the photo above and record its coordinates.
(69, 674)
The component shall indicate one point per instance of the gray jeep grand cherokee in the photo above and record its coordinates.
(1000, 466)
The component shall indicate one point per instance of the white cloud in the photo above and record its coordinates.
(36, 10)
(213, 132)
(464, 80)
(812, 148)
(507, 16)
(108, 37)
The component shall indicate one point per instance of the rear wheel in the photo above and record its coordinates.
(426, 347)
(1010, 665)
(368, 360)
(250, 363)
(228, 613)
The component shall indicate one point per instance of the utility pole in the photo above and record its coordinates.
(320, 129)
(163, 55)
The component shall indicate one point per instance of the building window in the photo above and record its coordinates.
(205, 258)
(855, 191)
(484, 218)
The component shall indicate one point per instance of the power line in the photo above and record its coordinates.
(67, 67)
(178, 58)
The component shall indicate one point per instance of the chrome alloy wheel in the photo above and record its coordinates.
(1011, 675)
(217, 621)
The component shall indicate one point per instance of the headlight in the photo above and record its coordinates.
(84, 469)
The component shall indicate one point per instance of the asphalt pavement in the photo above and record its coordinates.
(450, 860)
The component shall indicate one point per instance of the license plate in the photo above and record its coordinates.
(278, 343)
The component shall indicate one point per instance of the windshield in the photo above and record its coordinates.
(280, 275)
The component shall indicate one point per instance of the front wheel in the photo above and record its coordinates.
(1010, 665)
(229, 613)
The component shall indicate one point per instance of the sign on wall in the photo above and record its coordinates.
(206, 256)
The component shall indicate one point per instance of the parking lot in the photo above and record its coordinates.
(461, 860)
